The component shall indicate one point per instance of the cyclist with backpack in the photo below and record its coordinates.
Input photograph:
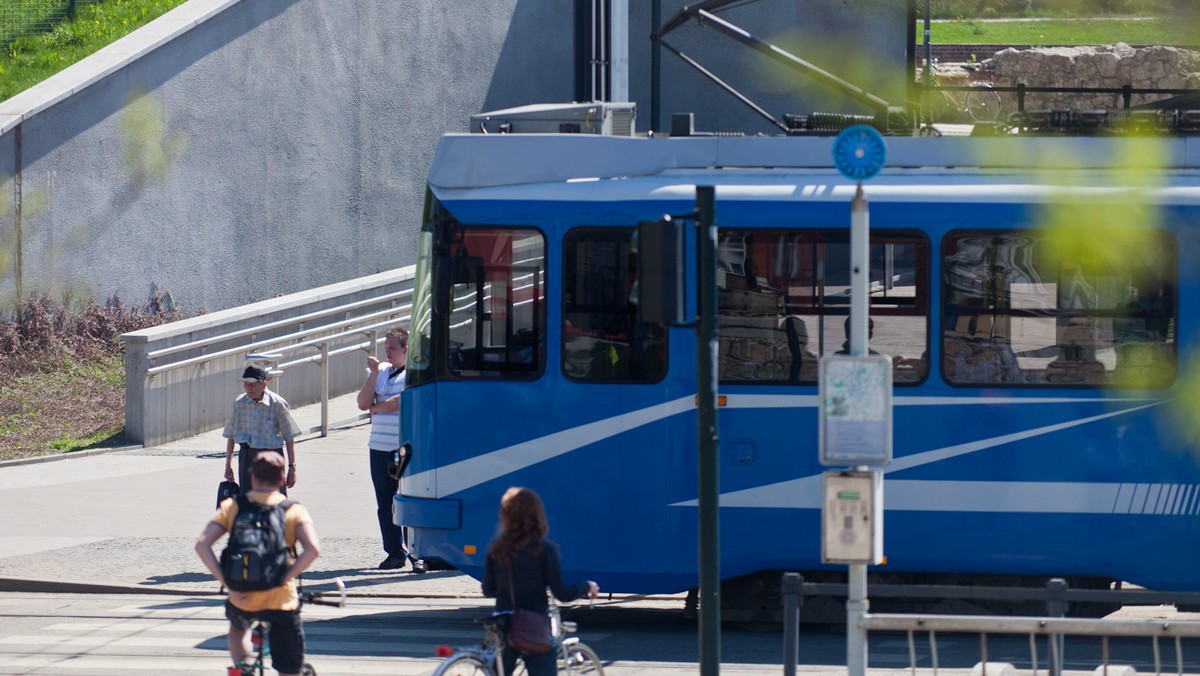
(260, 566)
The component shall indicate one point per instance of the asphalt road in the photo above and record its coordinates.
(98, 576)
(107, 635)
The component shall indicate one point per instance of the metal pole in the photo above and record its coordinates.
(17, 205)
(706, 396)
(655, 66)
(857, 604)
(791, 621)
(860, 259)
(618, 71)
(928, 48)
(1056, 606)
(324, 389)
(927, 71)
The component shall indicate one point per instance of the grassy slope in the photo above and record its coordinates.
(62, 372)
(29, 60)
(1063, 32)
(63, 406)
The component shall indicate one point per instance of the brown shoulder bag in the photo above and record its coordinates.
(528, 631)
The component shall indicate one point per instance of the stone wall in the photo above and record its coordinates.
(1105, 66)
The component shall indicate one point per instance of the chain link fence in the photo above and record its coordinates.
(27, 17)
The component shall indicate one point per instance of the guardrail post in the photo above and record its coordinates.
(324, 388)
(790, 588)
(373, 336)
(136, 382)
(1056, 606)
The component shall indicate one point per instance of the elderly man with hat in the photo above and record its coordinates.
(259, 420)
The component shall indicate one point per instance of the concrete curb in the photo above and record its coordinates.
(65, 456)
(34, 586)
(16, 584)
(307, 434)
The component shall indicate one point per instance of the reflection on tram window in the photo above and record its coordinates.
(784, 295)
(1018, 312)
(602, 339)
(497, 319)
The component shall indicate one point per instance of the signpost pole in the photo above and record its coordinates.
(857, 604)
(851, 400)
(706, 405)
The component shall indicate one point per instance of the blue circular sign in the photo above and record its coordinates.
(859, 152)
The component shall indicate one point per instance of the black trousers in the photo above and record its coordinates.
(395, 542)
(246, 455)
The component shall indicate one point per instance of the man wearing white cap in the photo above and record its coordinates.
(259, 420)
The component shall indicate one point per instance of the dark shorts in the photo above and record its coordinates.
(286, 634)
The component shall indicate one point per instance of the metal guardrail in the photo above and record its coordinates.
(178, 375)
(1053, 628)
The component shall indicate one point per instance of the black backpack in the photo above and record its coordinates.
(256, 557)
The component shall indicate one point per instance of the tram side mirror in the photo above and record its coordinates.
(658, 290)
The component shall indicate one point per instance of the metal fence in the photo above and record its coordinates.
(178, 375)
(28, 17)
(1012, 645)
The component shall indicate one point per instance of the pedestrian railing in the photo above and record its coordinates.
(1155, 644)
(1040, 630)
(180, 377)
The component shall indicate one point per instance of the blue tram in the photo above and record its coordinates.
(1034, 294)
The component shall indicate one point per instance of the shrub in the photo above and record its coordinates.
(42, 331)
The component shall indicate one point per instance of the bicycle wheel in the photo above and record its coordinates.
(463, 665)
(939, 107)
(580, 660)
(983, 104)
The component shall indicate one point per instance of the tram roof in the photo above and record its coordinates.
(473, 161)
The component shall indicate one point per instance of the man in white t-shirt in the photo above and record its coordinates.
(380, 395)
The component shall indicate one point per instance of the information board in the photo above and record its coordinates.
(855, 410)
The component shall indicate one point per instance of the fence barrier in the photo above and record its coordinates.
(19, 18)
(179, 377)
(1148, 636)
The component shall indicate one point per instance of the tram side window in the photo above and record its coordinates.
(1023, 310)
(497, 313)
(784, 298)
(602, 339)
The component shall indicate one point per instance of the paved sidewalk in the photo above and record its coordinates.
(128, 519)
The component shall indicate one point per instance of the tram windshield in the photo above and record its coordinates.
(420, 345)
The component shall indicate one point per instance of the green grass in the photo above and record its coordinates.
(992, 9)
(28, 60)
(1064, 32)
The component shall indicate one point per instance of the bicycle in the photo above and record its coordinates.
(258, 636)
(575, 657)
(980, 103)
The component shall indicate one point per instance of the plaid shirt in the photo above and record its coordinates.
(262, 424)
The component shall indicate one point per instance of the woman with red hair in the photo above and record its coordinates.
(521, 563)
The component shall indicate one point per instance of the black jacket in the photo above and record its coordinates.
(531, 574)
